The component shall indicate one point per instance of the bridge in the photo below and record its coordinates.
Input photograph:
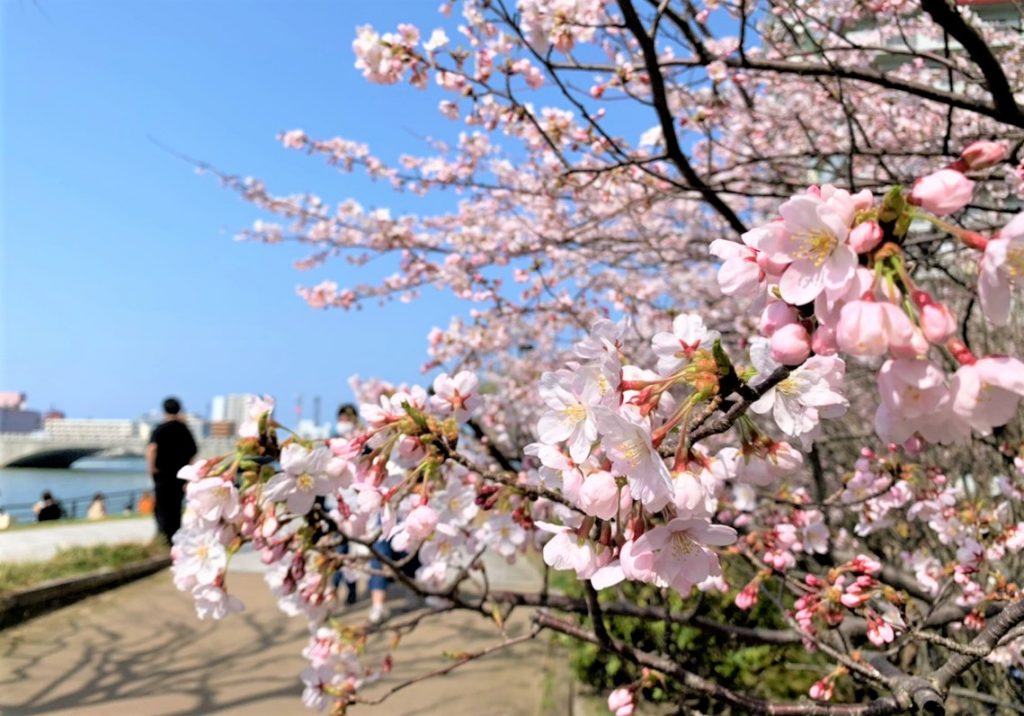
(41, 450)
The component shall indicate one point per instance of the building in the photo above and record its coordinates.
(20, 421)
(197, 424)
(14, 417)
(233, 408)
(222, 429)
(92, 430)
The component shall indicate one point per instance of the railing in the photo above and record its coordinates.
(117, 502)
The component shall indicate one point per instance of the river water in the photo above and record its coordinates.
(78, 484)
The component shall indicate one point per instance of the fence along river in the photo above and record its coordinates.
(121, 480)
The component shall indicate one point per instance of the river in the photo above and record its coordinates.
(78, 484)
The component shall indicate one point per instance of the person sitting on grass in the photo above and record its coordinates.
(47, 508)
(147, 504)
(97, 508)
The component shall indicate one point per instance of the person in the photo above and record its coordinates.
(345, 425)
(47, 508)
(171, 447)
(146, 505)
(97, 508)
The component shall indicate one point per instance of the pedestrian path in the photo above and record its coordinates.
(139, 649)
(41, 543)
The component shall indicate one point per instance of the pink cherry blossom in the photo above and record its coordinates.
(986, 393)
(815, 241)
(677, 552)
(873, 328)
(456, 395)
(808, 393)
(214, 602)
(628, 446)
(676, 348)
(255, 410)
(213, 498)
(571, 400)
(303, 478)
(1001, 267)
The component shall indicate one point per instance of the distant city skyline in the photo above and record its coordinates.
(120, 282)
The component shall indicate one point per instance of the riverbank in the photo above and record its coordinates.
(120, 480)
(43, 542)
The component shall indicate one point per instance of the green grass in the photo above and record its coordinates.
(73, 562)
(77, 521)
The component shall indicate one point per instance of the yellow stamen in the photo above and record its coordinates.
(575, 413)
(632, 451)
(682, 544)
(305, 482)
(816, 246)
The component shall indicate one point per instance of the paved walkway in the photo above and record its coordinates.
(40, 543)
(140, 650)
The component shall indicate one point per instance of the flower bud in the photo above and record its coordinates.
(823, 342)
(937, 322)
(774, 316)
(865, 236)
(942, 192)
(982, 155)
(790, 344)
(620, 702)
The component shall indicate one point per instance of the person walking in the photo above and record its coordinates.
(346, 424)
(171, 447)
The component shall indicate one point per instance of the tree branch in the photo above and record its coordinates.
(981, 54)
(660, 100)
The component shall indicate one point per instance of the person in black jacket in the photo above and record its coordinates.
(48, 508)
(171, 447)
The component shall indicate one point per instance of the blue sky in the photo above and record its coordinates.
(119, 278)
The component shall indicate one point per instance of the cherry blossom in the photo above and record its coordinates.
(675, 349)
(1000, 267)
(303, 478)
(807, 394)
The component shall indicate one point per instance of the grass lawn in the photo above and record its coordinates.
(78, 521)
(74, 561)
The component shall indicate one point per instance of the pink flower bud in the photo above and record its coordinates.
(748, 595)
(620, 702)
(821, 690)
(823, 342)
(776, 315)
(914, 445)
(983, 154)
(942, 192)
(937, 322)
(865, 236)
(790, 344)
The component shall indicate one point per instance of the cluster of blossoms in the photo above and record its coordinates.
(296, 503)
(829, 277)
(676, 450)
(621, 488)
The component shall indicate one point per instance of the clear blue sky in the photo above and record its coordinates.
(119, 278)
